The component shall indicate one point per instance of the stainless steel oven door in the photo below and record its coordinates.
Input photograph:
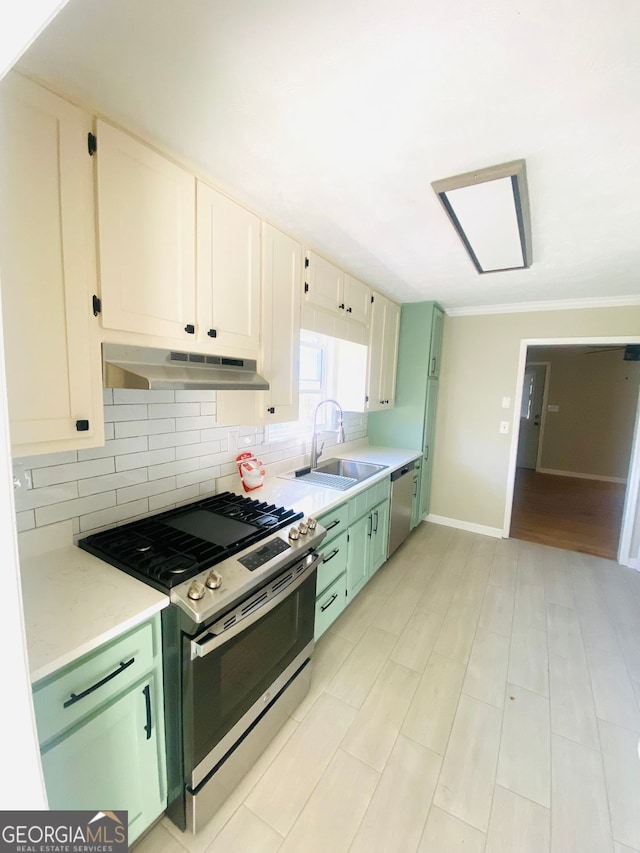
(241, 662)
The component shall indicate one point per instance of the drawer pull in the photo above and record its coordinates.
(331, 555)
(77, 697)
(333, 524)
(147, 699)
(330, 602)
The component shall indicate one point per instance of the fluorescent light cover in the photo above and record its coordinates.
(489, 209)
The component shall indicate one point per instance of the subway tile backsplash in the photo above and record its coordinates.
(162, 448)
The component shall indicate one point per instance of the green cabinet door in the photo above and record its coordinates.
(360, 533)
(416, 518)
(379, 541)
(429, 434)
(435, 348)
(112, 761)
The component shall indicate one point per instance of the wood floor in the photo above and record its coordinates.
(567, 512)
(479, 695)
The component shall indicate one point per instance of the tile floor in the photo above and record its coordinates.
(478, 695)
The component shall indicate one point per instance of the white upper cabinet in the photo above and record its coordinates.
(146, 228)
(281, 279)
(383, 353)
(228, 273)
(48, 272)
(324, 283)
(335, 291)
(357, 299)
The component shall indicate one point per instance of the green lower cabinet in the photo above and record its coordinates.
(100, 724)
(330, 604)
(416, 518)
(379, 540)
(358, 555)
(111, 762)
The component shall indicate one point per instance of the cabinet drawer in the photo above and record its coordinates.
(363, 502)
(334, 521)
(66, 697)
(334, 561)
(330, 604)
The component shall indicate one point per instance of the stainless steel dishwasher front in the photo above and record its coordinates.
(401, 505)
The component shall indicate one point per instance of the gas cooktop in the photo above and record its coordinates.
(166, 549)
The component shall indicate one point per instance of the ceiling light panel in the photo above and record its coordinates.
(489, 208)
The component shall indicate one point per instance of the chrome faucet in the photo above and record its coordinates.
(315, 453)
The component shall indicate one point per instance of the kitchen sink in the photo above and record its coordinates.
(339, 474)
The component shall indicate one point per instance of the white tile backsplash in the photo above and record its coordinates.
(162, 448)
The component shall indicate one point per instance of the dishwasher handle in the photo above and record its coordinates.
(402, 471)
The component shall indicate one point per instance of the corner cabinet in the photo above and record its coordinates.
(146, 227)
(101, 730)
(412, 422)
(48, 272)
(383, 354)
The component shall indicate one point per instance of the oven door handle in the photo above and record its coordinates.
(210, 642)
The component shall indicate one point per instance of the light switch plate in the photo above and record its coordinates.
(506, 402)
(504, 427)
(553, 408)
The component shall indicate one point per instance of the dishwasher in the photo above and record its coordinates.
(401, 506)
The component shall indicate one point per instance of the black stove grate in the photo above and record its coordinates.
(162, 555)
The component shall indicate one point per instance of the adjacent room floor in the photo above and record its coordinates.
(568, 512)
(479, 695)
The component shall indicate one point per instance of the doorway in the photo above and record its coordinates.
(574, 431)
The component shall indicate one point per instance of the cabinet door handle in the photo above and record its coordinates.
(147, 700)
(375, 530)
(190, 329)
(212, 333)
(76, 697)
(433, 364)
(426, 453)
(330, 602)
(370, 526)
(331, 555)
(333, 524)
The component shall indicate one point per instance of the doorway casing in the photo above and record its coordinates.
(631, 503)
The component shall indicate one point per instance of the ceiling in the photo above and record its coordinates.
(332, 119)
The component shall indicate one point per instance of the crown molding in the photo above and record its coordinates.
(548, 305)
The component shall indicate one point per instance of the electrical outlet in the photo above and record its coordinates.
(504, 427)
(21, 477)
(246, 440)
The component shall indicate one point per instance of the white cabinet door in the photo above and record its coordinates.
(146, 228)
(47, 266)
(228, 263)
(357, 299)
(281, 278)
(324, 284)
(390, 352)
(383, 353)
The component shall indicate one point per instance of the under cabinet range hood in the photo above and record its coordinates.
(143, 367)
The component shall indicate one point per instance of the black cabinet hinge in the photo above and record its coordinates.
(306, 287)
(366, 398)
(97, 305)
(271, 410)
(306, 262)
(92, 143)
(82, 426)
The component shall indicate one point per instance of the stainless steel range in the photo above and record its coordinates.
(237, 637)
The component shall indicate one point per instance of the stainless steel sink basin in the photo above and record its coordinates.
(339, 474)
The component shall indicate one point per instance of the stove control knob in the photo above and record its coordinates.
(294, 533)
(196, 591)
(311, 523)
(214, 580)
(304, 528)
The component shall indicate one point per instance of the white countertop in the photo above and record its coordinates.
(75, 602)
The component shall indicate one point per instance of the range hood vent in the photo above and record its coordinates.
(143, 367)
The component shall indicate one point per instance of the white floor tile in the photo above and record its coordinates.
(399, 807)
(622, 774)
(517, 825)
(333, 813)
(524, 763)
(444, 832)
(416, 642)
(529, 661)
(580, 816)
(572, 711)
(430, 715)
(397, 610)
(245, 831)
(564, 634)
(375, 728)
(465, 787)
(529, 606)
(330, 653)
(486, 676)
(354, 679)
(497, 610)
(613, 693)
(595, 622)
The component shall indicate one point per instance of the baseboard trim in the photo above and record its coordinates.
(496, 532)
(604, 479)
